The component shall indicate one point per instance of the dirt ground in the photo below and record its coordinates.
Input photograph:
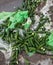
(11, 5)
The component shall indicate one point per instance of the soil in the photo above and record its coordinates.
(35, 58)
(2, 59)
(51, 9)
(41, 5)
(10, 5)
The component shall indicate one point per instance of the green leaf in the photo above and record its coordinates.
(50, 42)
(18, 18)
(5, 15)
(31, 51)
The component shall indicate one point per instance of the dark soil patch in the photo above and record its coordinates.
(36, 57)
(2, 59)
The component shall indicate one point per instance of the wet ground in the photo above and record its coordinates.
(11, 5)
